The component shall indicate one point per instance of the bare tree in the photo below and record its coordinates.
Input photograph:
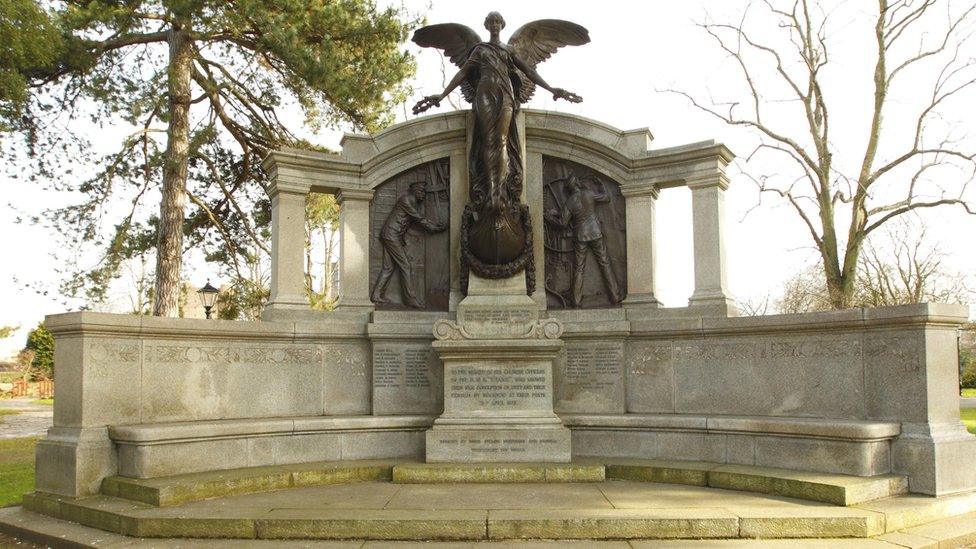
(805, 292)
(756, 306)
(906, 268)
(783, 47)
(899, 265)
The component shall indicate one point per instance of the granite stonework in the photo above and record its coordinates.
(862, 391)
(498, 379)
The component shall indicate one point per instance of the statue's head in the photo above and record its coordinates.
(418, 189)
(494, 22)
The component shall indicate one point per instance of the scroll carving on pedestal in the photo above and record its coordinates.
(409, 255)
(585, 237)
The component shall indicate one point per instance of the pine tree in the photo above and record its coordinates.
(213, 77)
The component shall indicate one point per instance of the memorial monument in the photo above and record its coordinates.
(497, 304)
(498, 355)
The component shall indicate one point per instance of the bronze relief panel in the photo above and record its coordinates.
(409, 261)
(585, 236)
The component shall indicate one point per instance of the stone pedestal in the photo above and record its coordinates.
(498, 379)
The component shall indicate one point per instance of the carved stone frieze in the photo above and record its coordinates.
(197, 354)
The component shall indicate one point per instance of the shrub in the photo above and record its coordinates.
(41, 343)
(967, 368)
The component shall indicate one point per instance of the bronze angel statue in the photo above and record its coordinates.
(496, 236)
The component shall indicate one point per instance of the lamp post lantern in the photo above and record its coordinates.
(208, 295)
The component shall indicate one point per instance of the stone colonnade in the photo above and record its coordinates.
(367, 161)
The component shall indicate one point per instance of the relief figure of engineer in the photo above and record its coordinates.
(406, 214)
(579, 212)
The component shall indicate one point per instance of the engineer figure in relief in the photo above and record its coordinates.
(406, 213)
(579, 212)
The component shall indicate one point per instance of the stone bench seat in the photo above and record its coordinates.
(161, 433)
(839, 429)
(160, 449)
(858, 448)
(848, 447)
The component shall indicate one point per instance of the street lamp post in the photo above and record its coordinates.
(208, 295)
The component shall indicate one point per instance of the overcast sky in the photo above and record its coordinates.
(637, 50)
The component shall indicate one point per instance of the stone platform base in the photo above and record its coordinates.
(952, 532)
(638, 499)
(381, 510)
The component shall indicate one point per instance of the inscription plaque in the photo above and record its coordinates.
(590, 378)
(497, 322)
(499, 445)
(406, 379)
(479, 388)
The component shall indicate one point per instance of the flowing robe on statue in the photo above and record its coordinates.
(495, 163)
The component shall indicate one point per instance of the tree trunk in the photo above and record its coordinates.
(308, 259)
(327, 289)
(169, 246)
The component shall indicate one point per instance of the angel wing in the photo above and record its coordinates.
(455, 40)
(536, 41)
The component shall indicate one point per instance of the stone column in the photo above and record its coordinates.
(641, 247)
(458, 198)
(532, 189)
(708, 218)
(354, 237)
(288, 295)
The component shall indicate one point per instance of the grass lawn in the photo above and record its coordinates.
(969, 393)
(969, 418)
(16, 469)
(44, 401)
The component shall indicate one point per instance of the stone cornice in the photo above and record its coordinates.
(353, 194)
(365, 161)
(150, 327)
(638, 190)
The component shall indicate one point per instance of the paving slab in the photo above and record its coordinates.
(633, 495)
(372, 524)
(500, 496)
(520, 544)
(365, 495)
(913, 509)
(835, 543)
(951, 532)
(612, 523)
(911, 541)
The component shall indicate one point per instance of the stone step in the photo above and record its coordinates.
(951, 532)
(825, 487)
(438, 473)
(178, 489)
(131, 518)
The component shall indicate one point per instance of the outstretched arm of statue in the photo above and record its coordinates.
(435, 100)
(557, 93)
